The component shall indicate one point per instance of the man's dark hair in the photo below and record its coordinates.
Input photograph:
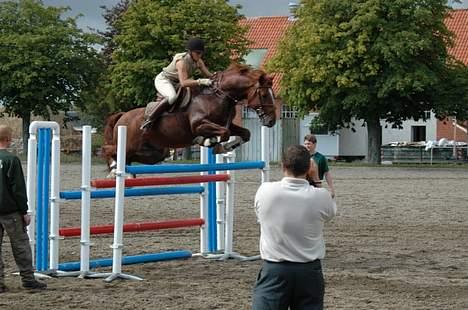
(296, 160)
(311, 138)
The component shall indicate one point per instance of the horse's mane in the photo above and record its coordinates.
(246, 70)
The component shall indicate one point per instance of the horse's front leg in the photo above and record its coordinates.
(208, 133)
(241, 135)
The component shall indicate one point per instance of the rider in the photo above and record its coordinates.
(179, 71)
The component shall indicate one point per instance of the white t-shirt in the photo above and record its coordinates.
(291, 214)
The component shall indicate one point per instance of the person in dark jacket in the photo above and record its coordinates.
(13, 214)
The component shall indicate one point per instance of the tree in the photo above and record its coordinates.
(111, 16)
(149, 33)
(372, 60)
(47, 64)
(104, 99)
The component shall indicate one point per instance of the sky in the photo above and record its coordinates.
(92, 13)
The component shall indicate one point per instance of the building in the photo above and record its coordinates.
(265, 34)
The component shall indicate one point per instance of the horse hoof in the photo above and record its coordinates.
(212, 141)
(198, 140)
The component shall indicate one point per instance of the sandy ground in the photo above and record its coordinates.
(399, 242)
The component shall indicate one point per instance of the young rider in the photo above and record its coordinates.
(179, 71)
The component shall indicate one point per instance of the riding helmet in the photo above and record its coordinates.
(196, 44)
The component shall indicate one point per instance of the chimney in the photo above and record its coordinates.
(292, 10)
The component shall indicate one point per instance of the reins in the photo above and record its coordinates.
(218, 91)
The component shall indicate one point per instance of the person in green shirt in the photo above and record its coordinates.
(310, 142)
(14, 217)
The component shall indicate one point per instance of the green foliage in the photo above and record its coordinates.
(149, 33)
(47, 63)
(372, 59)
(318, 126)
(111, 16)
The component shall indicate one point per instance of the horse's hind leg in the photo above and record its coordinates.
(151, 155)
(110, 155)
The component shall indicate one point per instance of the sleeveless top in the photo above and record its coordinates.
(170, 72)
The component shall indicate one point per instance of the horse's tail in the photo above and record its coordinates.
(109, 149)
(110, 122)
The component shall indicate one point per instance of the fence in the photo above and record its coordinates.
(419, 154)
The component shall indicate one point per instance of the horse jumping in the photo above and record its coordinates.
(206, 121)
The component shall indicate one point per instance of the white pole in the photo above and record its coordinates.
(220, 206)
(264, 154)
(454, 138)
(117, 246)
(204, 204)
(31, 189)
(55, 202)
(229, 209)
(85, 200)
(119, 201)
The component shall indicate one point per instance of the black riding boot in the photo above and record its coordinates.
(152, 113)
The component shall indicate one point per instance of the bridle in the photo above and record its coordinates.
(259, 109)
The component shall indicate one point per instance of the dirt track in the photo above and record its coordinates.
(399, 242)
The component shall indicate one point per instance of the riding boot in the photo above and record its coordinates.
(153, 112)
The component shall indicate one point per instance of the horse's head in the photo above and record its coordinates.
(252, 87)
(261, 99)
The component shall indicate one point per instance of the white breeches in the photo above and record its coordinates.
(165, 87)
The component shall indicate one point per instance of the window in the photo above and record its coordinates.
(255, 57)
(418, 133)
(288, 112)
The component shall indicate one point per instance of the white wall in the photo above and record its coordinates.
(304, 126)
(353, 143)
(399, 135)
(328, 145)
(344, 143)
(349, 143)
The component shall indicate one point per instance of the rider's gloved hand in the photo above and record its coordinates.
(204, 82)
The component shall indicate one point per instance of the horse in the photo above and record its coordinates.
(205, 121)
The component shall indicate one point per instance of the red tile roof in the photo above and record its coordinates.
(266, 32)
(458, 24)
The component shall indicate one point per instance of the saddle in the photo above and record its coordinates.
(184, 95)
(160, 106)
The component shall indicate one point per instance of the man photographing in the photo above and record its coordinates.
(291, 214)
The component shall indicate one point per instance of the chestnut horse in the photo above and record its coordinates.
(206, 121)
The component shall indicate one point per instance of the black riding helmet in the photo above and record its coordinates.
(196, 44)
